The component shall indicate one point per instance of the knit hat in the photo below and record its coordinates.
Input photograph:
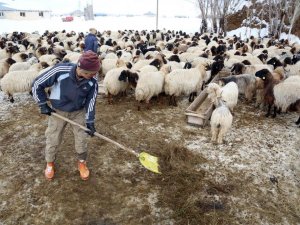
(89, 61)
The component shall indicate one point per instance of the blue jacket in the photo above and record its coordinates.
(91, 43)
(68, 93)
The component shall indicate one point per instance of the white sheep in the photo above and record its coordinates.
(112, 84)
(5, 65)
(184, 81)
(20, 57)
(72, 57)
(19, 81)
(150, 84)
(229, 93)
(286, 93)
(50, 59)
(221, 119)
(23, 65)
(148, 68)
(108, 64)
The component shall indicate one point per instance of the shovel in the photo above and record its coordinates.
(148, 161)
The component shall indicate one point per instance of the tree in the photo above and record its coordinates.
(203, 5)
(294, 17)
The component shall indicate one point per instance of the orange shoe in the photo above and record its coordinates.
(83, 170)
(49, 171)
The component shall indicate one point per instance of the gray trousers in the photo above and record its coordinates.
(55, 130)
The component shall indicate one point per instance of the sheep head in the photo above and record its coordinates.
(275, 62)
(10, 61)
(214, 92)
(127, 76)
(264, 74)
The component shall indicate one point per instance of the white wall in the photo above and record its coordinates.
(28, 15)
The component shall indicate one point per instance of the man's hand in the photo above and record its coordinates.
(91, 127)
(45, 109)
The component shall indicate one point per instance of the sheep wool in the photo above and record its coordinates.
(182, 81)
(220, 123)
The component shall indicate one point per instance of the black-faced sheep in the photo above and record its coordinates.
(268, 94)
(5, 64)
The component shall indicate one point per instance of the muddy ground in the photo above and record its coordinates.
(254, 178)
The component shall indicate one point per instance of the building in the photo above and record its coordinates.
(17, 14)
(89, 12)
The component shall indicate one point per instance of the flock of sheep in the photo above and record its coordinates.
(172, 63)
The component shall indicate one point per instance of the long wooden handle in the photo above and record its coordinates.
(97, 134)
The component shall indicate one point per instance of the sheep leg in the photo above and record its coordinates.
(174, 101)
(279, 110)
(298, 121)
(109, 100)
(274, 112)
(214, 133)
(170, 100)
(222, 132)
(11, 98)
(192, 96)
(148, 104)
(269, 110)
(139, 105)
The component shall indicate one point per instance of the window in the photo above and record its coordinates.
(1, 13)
(41, 14)
(22, 14)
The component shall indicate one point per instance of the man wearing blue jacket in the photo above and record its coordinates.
(91, 41)
(74, 90)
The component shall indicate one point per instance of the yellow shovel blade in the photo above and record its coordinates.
(149, 162)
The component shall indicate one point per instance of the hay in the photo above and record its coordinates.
(186, 190)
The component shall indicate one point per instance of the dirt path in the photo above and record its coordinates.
(202, 183)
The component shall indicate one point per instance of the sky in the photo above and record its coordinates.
(165, 7)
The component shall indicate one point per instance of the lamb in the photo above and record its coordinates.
(183, 81)
(246, 84)
(228, 93)
(221, 118)
(19, 81)
(5, 65)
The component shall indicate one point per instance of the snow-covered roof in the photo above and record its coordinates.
(21, 5)
(3, 7)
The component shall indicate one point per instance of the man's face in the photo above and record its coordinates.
(85, 74)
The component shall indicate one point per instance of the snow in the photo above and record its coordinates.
(114, 23)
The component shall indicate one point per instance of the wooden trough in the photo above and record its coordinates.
(199, 112)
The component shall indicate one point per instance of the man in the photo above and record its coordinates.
(74, 90)
(91, 41)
